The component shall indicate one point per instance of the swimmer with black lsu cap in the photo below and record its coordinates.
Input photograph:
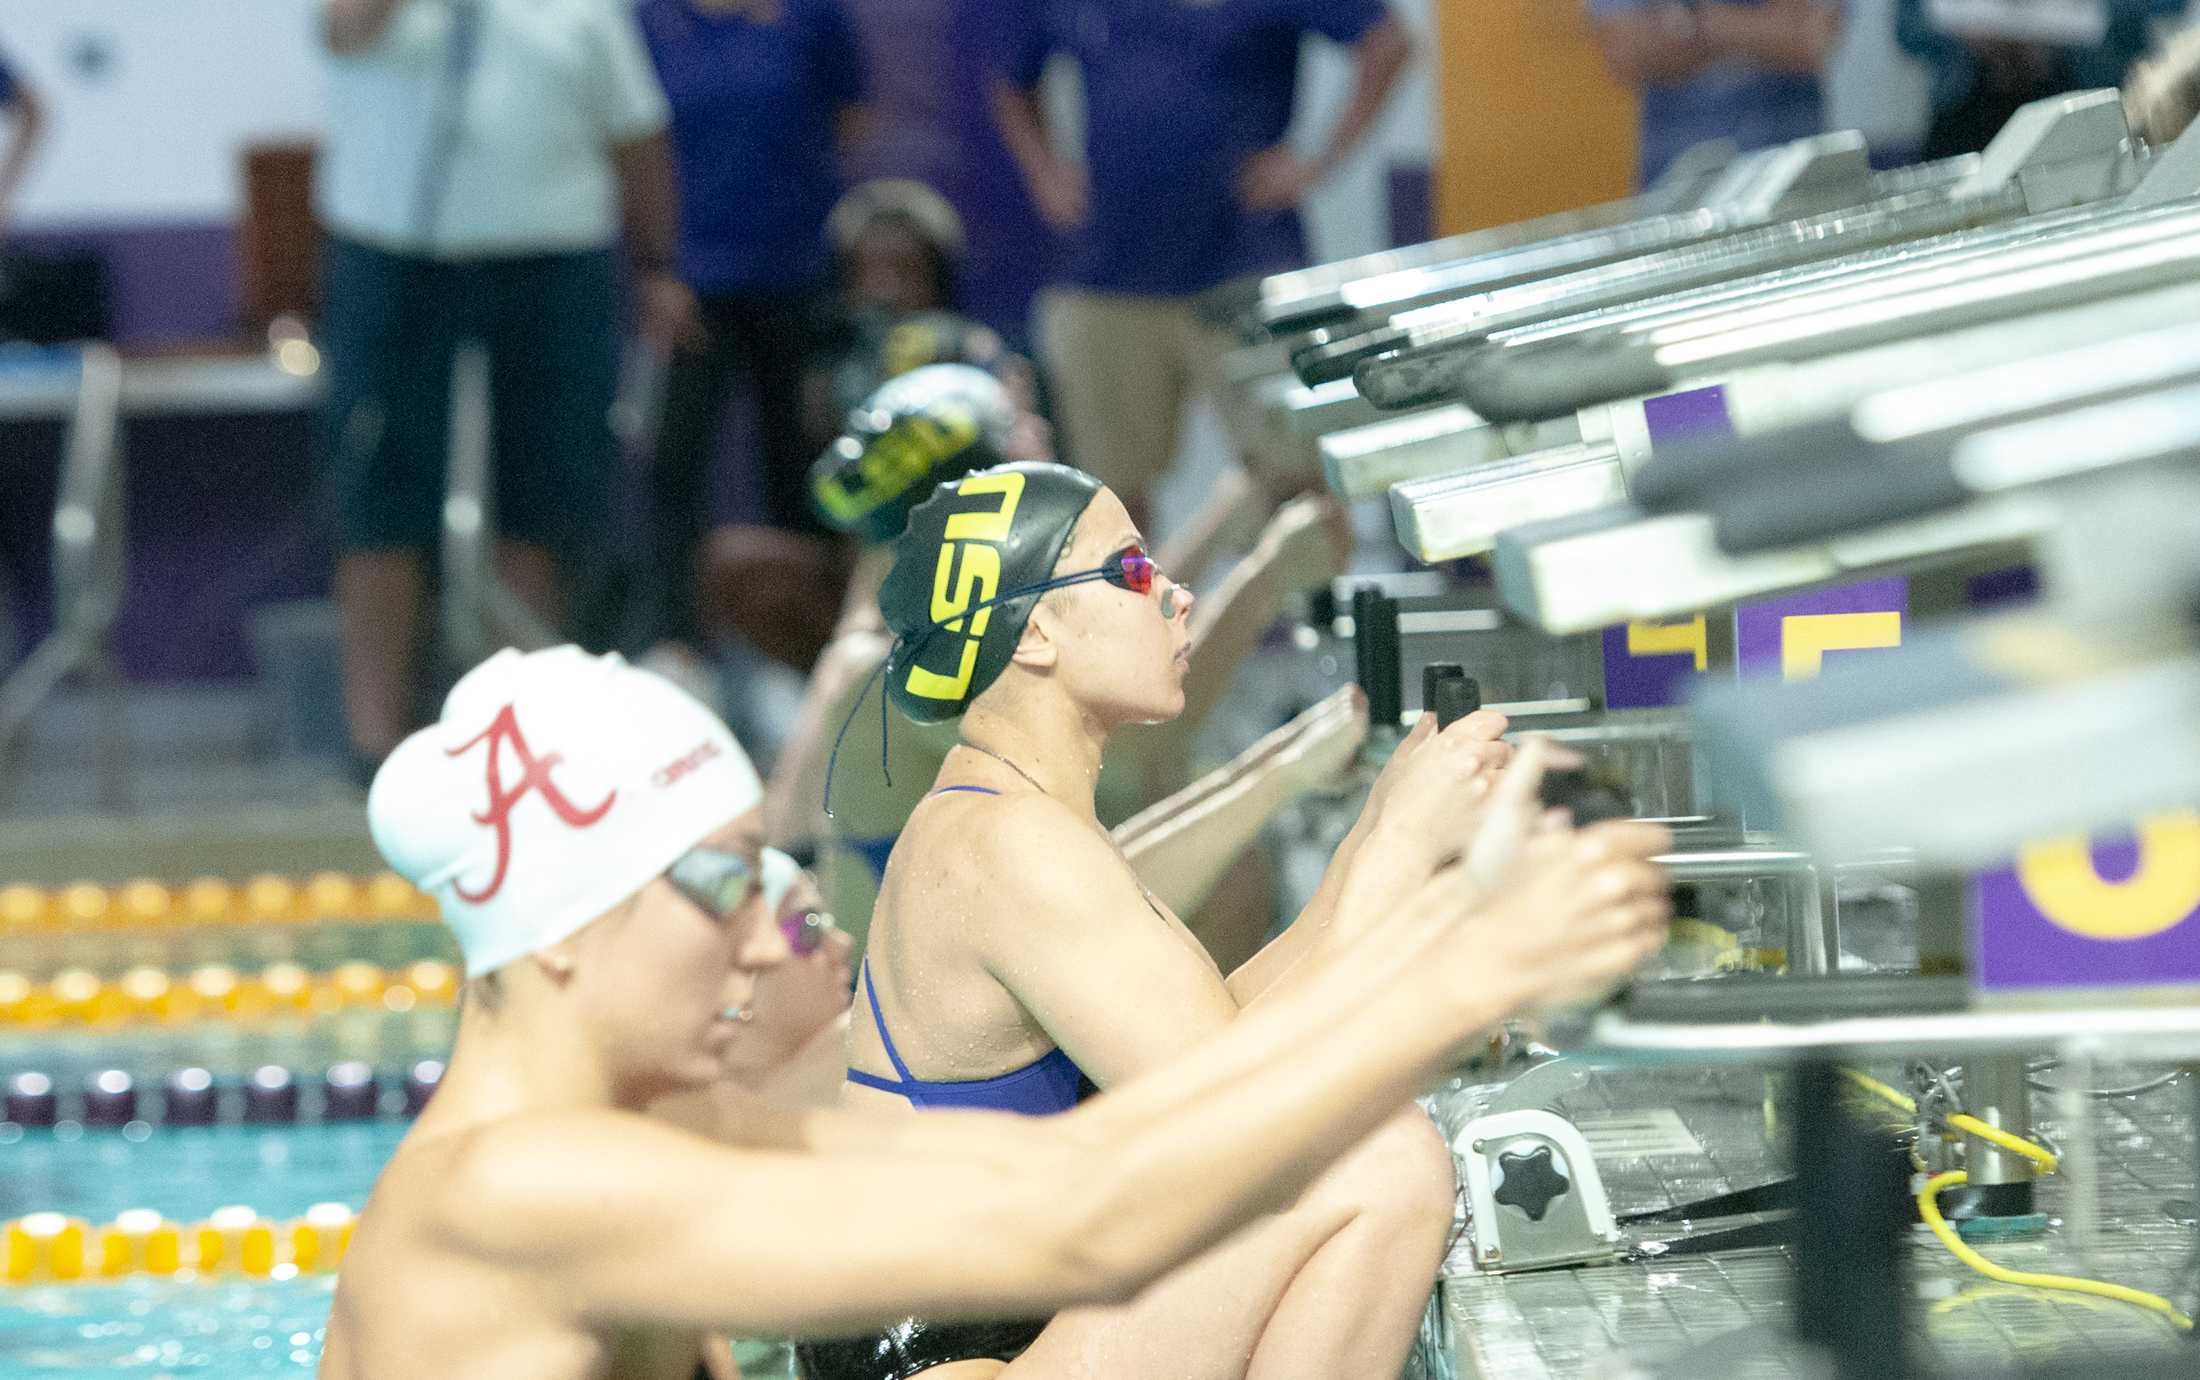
(1188, 839)
(1014, 954)
(592, 837)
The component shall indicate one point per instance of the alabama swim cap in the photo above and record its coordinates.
(555, 785)
(932, 424)
(985, 535)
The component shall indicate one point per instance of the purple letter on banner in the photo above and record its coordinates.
(1639, 680)
(1759, 642)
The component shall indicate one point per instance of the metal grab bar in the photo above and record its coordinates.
(1307, 294)
(1820, 173)
(88, 570)
(1527, 380)
(1764, 249)
(481, 614)
(2054, 154)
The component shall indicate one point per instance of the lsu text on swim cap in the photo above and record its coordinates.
(960, 590)
(555, 785)
(932, 424)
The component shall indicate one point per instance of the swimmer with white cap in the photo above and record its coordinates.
(592, 837)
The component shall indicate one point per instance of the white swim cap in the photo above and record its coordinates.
(556, 785)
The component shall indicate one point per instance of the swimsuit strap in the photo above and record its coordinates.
(974, 790)
(878, 1018)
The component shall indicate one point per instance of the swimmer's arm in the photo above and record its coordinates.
(628, 1222)
(1422, 807)
(1117, 987)
(1181, 846)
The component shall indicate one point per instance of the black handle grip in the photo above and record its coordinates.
(1330, 358)
(1375, 653)
(1415, 378)
(1533, 381)
(1323, 313)
(1832, 500)
(1447, 689)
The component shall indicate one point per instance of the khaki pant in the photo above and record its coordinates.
(1124, 370)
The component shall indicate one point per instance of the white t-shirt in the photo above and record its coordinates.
(552, 86)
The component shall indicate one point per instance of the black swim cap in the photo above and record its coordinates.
(987, 534)
(937, 423)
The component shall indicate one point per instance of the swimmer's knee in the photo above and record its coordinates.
(1403, 1170)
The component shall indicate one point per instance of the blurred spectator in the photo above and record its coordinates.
(480, 157)
(1187, 182)
(897, 247)
(2162, 94)
(19, 102)
(1980, 77)
(1745, 70)
(763, 93)
(1010, 250)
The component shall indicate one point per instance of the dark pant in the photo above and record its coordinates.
(772, 339)
(1970, 124)
(390, 327)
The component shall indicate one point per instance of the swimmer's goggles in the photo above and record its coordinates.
(1130, 568)
(719, 882)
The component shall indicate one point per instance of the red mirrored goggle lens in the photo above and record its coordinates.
(1131, 568)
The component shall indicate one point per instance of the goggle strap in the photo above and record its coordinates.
(832, 762)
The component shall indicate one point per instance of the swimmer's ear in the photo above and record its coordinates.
(1036, 649)
(556, 961)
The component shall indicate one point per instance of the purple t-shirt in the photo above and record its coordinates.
(1753, 107)
(754, 112)
(1178, 93)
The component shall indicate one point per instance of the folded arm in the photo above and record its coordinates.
(1666, 44)
(971, 1214)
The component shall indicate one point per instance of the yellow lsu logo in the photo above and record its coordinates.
(968, 573)
(897, 459)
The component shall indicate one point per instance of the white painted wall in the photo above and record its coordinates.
(155, 133)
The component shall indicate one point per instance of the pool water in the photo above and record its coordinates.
(163, 1327)
(185, 1173)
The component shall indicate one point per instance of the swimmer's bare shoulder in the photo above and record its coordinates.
(430, 1287)
(1064, 925)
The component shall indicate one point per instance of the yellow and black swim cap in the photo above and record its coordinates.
(936, 423)
(965, 571)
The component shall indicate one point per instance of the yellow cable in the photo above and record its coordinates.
(1964, 1122)
(1928, 1207)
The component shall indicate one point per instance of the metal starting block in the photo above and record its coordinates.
(1536, 1198)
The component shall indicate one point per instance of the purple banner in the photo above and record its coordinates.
(1650, 665)
(1697, 412)
(2118, 911)
(1791, 636)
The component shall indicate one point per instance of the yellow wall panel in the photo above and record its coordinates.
(1530, 122)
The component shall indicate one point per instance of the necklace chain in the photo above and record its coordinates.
(1008, 764)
